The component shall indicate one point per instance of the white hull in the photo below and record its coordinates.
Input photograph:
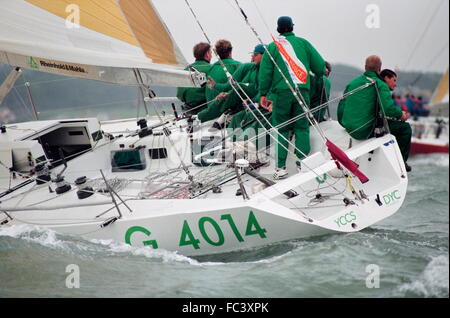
(219, 222)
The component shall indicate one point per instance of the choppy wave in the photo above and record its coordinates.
(51, 239)
(411, 248)
(73, 245)
(433, 282)
(164, 255)
(30, 233)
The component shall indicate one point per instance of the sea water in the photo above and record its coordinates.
(405, 255)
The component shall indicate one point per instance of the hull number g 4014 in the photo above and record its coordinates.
(210, 230)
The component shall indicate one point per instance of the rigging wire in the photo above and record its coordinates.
(16, 92)
(262, 17)
(296, 93)
(272, 126)
(237, 85)
(295, 90)
(433, 60)
(290, 121)
(298, 96)
(386, 125)
(36, 83)
(430, 20)
(77, 107)
(233, 83)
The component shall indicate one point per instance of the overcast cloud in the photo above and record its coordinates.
(337, 28)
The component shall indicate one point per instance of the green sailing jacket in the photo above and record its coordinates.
(270, 78)
(246, 75)
(218, 75)
(191, 95)
(356, 113)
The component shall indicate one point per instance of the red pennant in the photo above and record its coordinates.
(341, 157)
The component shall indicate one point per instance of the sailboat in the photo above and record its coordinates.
(430, 134)
(168, 181)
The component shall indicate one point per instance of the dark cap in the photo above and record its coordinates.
(259, 49)
(285, 22)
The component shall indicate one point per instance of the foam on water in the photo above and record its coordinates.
(73, 245)
(164, 255)
(51, 239)
(16, 230)
(433, 282)
(31, 233)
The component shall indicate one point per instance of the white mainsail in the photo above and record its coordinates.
(94, 39)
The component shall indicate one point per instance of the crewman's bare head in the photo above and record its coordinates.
(224, 49)
(373, 63)
(202, 51)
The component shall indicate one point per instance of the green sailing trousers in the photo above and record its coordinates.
(285, 107)
(211, 112)
(402, 132)
(218, 107)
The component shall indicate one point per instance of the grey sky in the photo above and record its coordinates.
(337, 28)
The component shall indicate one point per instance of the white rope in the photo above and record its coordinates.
(302, 115)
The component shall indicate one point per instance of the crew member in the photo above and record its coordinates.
(389, 77)
(224, 50)
(191, 96)
(305, 58)
(357, 113)
(228, 100)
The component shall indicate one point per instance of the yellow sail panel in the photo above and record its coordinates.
(441, 92)
(148, 29)
(103, 16)
(33, 34)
